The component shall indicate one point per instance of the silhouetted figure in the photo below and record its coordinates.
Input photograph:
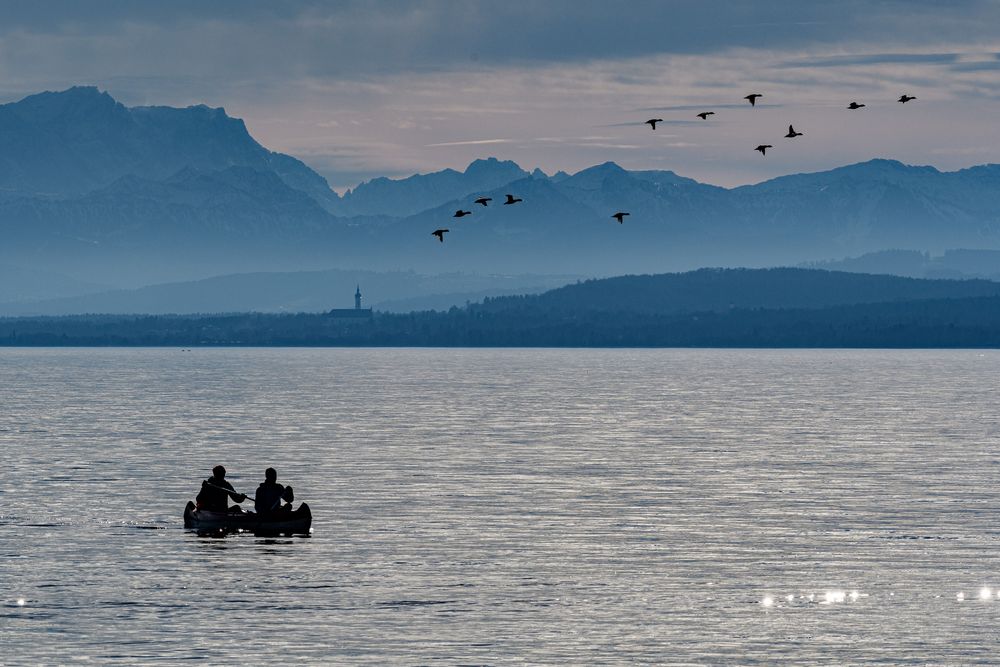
(792, 133)
(440, 234)
(484, 200)
(905, 98)
(854, 105)
(270, 494)
(511, 199)
(705, 114)
(653, 121)
(460, 213)
(763, 148)
(620, 216)
(752, 98)
(216, 492)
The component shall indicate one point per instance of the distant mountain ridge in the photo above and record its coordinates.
(106, 194)
(408, 196)
(78, 140)
(959, 263)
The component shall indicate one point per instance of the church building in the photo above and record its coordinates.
(356, 313)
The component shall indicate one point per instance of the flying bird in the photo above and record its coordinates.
(792, 133)
(620, 216)
(905, 98)
(460, 213)
(752, 98)
(705, 114)
(484, 200)
(653, 121)
(511, 199)
(854, 105)
(440, 234)
(763, 148)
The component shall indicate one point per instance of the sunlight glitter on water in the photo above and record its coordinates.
(505, 506)
(827, 598)
(833, 596)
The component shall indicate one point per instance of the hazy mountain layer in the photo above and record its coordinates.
(19, 285)
(133, 196)
(304, 291)
(959, 263)
(759, 308)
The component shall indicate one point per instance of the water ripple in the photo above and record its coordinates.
(506, 506)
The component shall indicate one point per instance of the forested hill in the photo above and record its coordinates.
(710, 308)
(722, 289)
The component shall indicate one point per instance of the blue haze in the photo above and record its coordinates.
(96, 193)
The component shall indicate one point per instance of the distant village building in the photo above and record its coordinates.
(356, 313)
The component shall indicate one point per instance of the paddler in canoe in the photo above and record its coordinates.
(216, 492)
(267, 499)
(213, 515)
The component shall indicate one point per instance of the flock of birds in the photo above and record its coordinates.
(620, 215)
(483, 201)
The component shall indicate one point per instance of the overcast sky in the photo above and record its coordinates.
(359, 89)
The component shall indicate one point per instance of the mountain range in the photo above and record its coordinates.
(100, 194)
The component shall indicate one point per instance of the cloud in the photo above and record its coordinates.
(969, 150)
(873, 59)
(251, 40)
(472, 142)
(362, 88)
(521, 108)
(976, 66)
(639, 123)
(709, 107)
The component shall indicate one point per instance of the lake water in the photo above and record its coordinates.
(497, 507)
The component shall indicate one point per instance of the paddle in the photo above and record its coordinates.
(222, 488)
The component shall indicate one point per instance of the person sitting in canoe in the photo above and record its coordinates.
(216, 492)
(270, 494)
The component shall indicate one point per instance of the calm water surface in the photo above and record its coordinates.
(505, 506)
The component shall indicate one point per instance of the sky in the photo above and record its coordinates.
(365, 89)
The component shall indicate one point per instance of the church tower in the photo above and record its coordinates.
(356, 314)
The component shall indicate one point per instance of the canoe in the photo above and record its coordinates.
(286, 523)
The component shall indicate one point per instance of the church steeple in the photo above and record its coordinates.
(356, 314)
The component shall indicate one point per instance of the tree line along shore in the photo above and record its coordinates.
(704, 308)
